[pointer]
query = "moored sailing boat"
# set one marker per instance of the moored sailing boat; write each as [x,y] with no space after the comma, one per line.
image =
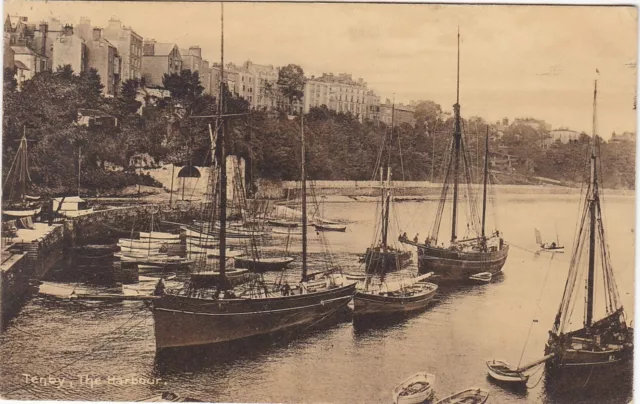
[601,348]
[16,204]
[471,255]
[381,257]
[403,296]
[227,315]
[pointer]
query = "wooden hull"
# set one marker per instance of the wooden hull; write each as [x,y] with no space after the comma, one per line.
[330,227]
[367,304]
[263,264]
[451,266]
[572,359]
[183,321]
[20,213]
[401,397]
[469,396]
[159,236]
[501,372]
[379,262]
[282,223]
[553,250]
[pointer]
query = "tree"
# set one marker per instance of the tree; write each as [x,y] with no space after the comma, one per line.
[9,79]
[184,87]
[291,81]
[427,111]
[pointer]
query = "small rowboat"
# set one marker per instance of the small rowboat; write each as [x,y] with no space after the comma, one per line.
[156,235]
[135,252]
[167,276]
[17,213]
[473,395]
[282,223]
[482,277]
[287,231]
[213,252]
[416,389]
[558,249]
[355,277]
[143,244]
[263,264]
[503,372]
[330,227]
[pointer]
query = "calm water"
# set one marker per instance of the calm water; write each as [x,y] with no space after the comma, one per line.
[453,338]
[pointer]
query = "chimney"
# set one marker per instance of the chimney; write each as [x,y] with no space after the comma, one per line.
[115,23]
[195,51]
[43,32]
[97,33]
[67,30]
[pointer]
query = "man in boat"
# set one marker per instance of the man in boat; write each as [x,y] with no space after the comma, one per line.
[415,239]
[159,291]
[427,241]
[553,244]
[286,289]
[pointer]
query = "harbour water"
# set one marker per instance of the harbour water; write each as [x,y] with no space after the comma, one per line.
[112,344]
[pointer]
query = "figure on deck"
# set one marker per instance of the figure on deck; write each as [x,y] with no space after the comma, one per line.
[286,289]
[159,291]
[415,239]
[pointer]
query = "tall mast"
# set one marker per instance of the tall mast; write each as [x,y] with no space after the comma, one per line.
[223,161]
[303,172]
[23,174]
[457,140]
[385,188]
[486,174]
[593,202]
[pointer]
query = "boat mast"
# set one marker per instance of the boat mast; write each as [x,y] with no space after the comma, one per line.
[223,162]
[386,195]
[303,171]
[593,202]
[457,139]
[24,171]
[486,173]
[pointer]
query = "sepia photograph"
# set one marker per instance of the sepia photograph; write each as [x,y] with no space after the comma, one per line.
[299,202]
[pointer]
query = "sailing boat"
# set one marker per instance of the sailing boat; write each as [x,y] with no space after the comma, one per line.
[471,255]
[381,257]
[603,347]
[389,297]
[198,318]
[553,247]
[16,203]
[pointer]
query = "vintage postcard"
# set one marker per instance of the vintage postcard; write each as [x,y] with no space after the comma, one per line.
[318,202]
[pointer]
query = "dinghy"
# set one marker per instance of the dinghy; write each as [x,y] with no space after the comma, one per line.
[282,223]
[156,235]
[473,395]
[287,231]
[416,389]
[503,372]
[263,264]
[330,227]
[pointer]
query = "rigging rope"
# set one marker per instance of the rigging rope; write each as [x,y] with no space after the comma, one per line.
[536,310]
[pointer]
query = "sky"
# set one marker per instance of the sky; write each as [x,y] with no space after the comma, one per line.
[515,61]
